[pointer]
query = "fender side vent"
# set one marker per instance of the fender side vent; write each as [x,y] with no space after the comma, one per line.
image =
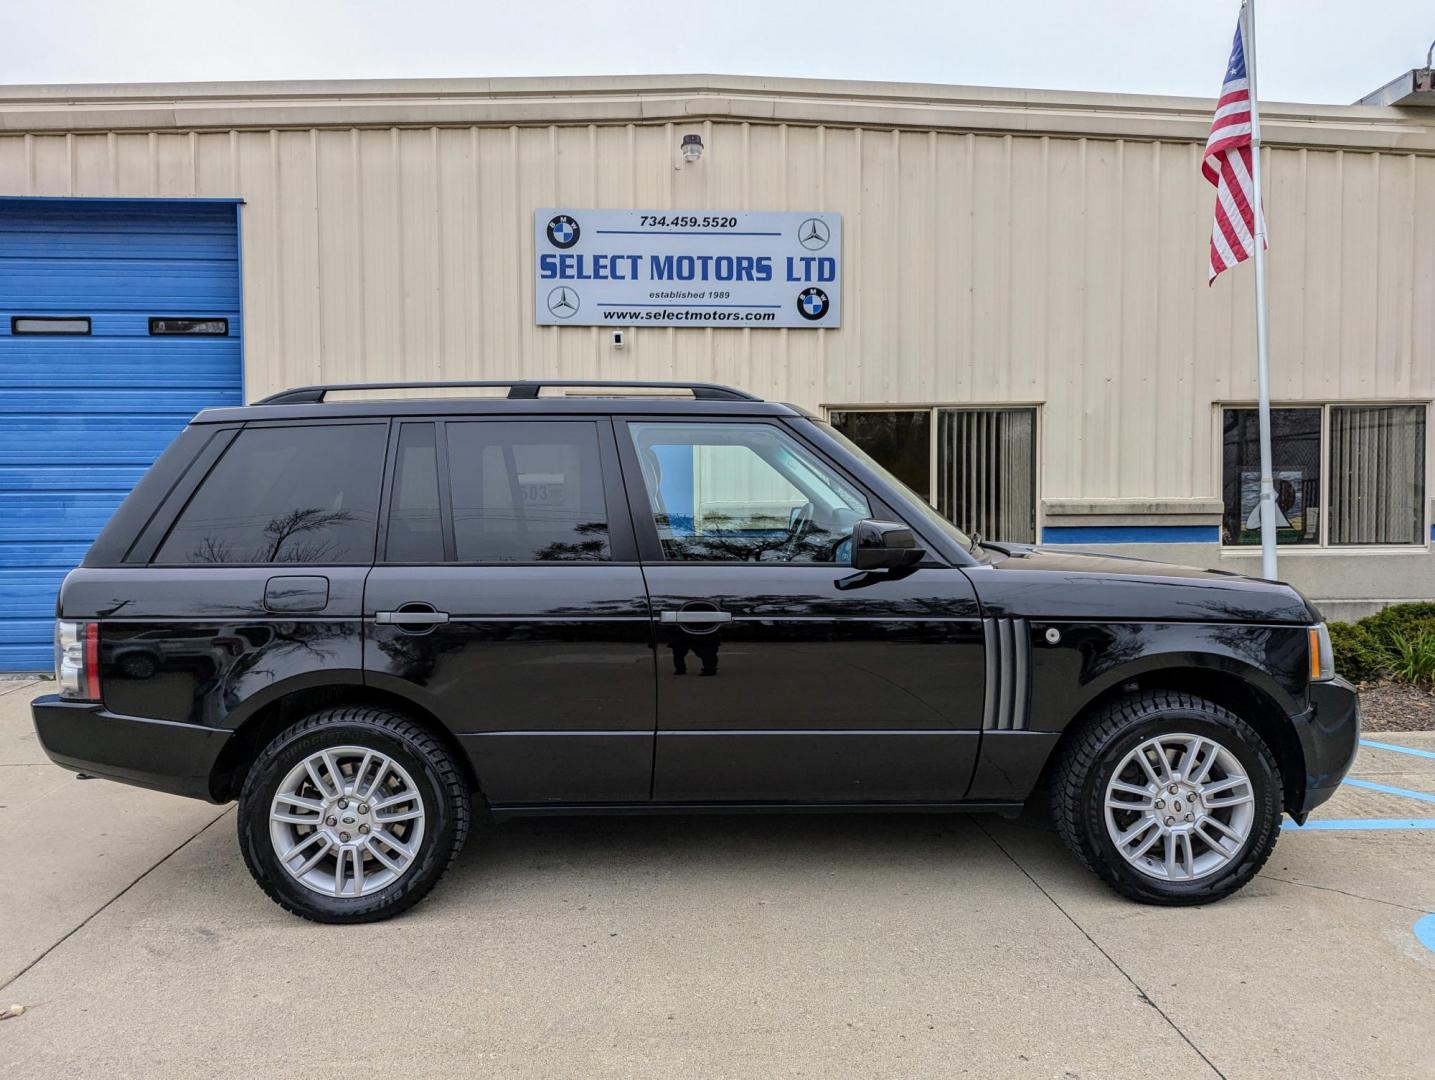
[1008,674]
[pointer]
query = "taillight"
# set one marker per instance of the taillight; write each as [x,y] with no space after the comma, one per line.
[92,661]
[77,659]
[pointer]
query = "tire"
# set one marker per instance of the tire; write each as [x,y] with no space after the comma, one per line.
[422,781]
[1119,735]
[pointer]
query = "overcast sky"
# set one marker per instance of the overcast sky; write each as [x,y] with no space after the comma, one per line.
[1310,50]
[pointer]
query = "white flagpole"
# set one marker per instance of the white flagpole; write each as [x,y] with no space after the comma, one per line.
[1263,373]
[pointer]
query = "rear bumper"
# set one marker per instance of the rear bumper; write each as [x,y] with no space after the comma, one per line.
[1330,735]
[158,754]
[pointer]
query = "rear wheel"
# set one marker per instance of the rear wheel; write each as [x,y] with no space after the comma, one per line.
[352,815]
[1169,798]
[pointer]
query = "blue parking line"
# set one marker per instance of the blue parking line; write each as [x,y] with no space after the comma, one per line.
[1423,796]
[1399,749]
[1369,824]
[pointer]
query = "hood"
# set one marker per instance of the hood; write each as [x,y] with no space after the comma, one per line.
[1059,583]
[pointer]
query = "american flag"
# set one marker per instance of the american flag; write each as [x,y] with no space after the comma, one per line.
[1227,164]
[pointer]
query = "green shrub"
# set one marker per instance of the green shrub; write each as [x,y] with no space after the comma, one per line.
[1414,657]
[1358,655]
[1397,643]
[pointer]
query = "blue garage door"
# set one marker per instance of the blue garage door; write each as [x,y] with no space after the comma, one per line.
[119,321]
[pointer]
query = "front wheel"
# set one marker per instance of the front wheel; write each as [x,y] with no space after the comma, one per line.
[1169,798]
[352,815]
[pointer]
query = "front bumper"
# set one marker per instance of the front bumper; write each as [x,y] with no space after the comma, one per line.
[1329,736]
[158,754]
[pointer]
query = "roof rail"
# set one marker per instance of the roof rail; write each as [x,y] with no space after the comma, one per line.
[517,389]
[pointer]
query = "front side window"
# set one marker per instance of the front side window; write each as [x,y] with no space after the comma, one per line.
[723,492]
[527,491]
[286,495]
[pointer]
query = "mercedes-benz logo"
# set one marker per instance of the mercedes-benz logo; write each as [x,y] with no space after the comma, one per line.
[563,302]
[813,234]
[563,231]
[812,303]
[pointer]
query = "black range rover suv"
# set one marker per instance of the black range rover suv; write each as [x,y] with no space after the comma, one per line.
[370,620]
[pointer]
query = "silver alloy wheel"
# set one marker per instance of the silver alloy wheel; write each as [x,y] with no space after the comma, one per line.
[1179,807]
[347,821]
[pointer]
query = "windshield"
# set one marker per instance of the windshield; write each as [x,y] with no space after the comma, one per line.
[918,501]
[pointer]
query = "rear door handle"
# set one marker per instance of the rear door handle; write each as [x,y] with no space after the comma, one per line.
[696,618]
[411,618]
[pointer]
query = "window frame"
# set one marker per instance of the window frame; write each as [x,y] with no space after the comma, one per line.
[934,439]
[1323,546]
[235,434]
[650,547]
[88,320]
[622,546]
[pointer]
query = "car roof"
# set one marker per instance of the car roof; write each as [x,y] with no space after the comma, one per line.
[463,406]
[509,397]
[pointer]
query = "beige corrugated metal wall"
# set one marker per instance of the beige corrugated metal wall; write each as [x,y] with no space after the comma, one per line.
[983,263]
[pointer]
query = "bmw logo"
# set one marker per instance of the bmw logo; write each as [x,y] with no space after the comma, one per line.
[563,231]
[812,303]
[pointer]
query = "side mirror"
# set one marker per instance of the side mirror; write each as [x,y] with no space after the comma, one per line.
[884,545]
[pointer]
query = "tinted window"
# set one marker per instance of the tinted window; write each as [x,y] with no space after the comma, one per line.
[159,326]
[286,495]
[744,493]
[527,491]
[900,439]
[1295,461]
[415,528]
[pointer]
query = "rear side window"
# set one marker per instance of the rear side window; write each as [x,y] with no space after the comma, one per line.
[527,491]
[286,495]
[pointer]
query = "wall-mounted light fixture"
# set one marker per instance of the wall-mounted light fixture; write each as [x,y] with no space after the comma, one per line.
[692,148]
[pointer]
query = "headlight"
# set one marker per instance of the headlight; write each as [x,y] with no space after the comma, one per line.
[1322,656]
[77,659]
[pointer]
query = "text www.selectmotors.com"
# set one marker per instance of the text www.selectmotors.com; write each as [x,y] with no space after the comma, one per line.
[690,316]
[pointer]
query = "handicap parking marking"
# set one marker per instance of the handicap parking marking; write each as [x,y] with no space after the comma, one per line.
[1398,749]
[1425,931]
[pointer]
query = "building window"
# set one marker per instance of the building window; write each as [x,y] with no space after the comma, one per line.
[49,324]
[898,438]
[1343,474]
[161,326]
[976,466]
[1377,474]
[1295,471]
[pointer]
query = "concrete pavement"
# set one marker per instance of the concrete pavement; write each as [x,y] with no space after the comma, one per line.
[707,947]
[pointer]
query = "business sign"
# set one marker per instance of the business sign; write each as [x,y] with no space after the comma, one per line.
[687,268]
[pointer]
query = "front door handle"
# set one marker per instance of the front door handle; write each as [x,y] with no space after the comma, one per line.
[696,618]
[411,618]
